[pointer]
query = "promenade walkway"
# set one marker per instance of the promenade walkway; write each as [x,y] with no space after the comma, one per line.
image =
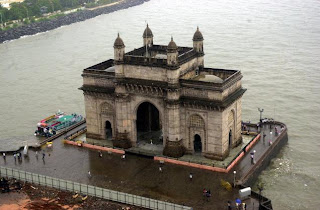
[259,149]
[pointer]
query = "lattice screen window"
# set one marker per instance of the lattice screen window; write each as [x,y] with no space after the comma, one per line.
[106,108]
[196,121]
[230,118]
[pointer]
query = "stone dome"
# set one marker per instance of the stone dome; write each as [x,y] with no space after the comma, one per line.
[209,78]
[118,43]
[147,32]
[197,35]
[172,45]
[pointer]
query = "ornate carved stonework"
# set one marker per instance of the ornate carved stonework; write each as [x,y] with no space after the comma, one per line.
[194,115]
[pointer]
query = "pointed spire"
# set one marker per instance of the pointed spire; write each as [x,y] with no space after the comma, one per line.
[172,45]
[147,32]
[197,35]
[118,43]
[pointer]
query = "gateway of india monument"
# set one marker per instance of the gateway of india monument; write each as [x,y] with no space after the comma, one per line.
[168,93]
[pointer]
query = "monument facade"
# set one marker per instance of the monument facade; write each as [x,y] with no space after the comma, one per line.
[166,90]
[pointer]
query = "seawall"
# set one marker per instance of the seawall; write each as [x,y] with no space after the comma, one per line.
[38,27]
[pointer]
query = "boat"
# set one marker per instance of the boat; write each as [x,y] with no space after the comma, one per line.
[50,125]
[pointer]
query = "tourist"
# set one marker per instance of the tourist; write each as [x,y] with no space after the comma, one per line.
[229,205]
[160,169]
[4,155]
[270,142]
[37,155]
[190,176]
[244,206]
[100,154]
[208,195]
[263,137]
[151,141]
[43,155]
[204,192]
[252,158]
[89,174]
[15,156]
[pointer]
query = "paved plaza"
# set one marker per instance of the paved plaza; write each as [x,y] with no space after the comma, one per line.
[138,175]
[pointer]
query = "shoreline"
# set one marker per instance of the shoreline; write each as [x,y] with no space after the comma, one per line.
[44,26]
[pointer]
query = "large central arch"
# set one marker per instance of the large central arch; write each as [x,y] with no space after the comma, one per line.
[148,124]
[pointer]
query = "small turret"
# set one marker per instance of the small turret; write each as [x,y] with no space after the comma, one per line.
[119,49]
[147,37]
[198,41]
[172,53]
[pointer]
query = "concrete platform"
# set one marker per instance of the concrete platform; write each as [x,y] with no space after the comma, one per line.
[141,176]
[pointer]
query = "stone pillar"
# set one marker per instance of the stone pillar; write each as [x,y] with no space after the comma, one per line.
[123,120]
[173,144]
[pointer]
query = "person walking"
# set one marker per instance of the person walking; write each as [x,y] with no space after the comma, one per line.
[204,192]
[208,195]
[229,205]
[252,157]
[190,176]
[43,155]
[89,174]
[15,157]
[160,169]
[4,155]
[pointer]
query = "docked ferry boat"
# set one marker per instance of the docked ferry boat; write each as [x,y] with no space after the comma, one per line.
[50,125]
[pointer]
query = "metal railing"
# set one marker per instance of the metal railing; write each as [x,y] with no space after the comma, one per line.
[89,190]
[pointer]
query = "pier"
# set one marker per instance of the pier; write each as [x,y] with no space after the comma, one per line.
[141,176]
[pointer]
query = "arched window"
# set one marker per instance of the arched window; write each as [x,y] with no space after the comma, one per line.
[106,108]
[196,121]
[231,118]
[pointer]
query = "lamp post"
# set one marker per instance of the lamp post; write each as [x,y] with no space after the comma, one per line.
[65,127]
[260,188]
[1,19]
[234,178]
[260,110]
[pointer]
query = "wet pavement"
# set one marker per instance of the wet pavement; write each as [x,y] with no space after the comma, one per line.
[138,175]
[245,165]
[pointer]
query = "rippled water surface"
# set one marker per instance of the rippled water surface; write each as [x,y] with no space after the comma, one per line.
[276,45]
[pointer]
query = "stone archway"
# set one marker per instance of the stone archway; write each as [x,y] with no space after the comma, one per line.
[230,138]
[106,120]
[197,134]
[108,130]
[148,124]
[231,126]
[197,144]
